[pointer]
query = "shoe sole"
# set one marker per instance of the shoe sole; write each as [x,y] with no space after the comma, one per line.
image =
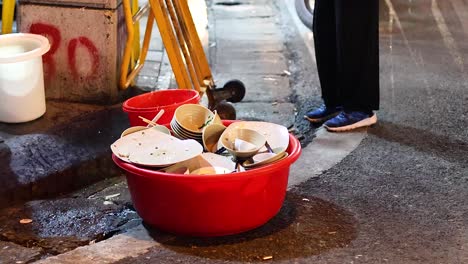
[321,120]
[363,123]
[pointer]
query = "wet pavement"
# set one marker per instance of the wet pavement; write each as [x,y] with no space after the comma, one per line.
[42,228]
[406,184]
[424,66]
[60,225]
[297,231]
[399,197]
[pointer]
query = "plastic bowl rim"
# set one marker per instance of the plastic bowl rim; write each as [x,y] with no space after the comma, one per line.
[125,105]
[149,173]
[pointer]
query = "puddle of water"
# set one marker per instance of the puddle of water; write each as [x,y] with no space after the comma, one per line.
[305,226]
[58,226]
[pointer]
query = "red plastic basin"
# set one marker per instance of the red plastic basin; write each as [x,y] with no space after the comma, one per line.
[210,205]
[149,104]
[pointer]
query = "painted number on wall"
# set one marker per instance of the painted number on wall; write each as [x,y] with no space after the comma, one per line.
[55,39]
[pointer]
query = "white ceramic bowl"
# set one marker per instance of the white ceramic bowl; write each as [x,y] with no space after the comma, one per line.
[193,117]
[230,140]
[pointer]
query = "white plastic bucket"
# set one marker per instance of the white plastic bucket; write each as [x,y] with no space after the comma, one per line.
[22,95]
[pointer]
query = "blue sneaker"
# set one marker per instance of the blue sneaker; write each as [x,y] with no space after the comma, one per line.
[350,120]
[323,113]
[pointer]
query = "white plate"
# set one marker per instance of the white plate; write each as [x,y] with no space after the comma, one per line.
[153,148]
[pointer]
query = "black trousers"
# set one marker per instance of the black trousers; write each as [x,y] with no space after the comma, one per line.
[346,37]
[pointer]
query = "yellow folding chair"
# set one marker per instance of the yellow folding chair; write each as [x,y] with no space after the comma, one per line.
[8,12]
[185,52]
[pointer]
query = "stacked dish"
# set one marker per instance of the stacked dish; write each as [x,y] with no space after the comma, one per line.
[190,120]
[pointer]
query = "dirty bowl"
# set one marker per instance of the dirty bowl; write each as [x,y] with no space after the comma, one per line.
[211,170]
[149,104]
[263,159]
[242,142]
[134,129]
[276,135]
[192,118]
[211,135]
[210,205]
[201,161]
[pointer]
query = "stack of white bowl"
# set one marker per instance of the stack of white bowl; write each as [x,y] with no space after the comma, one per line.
[189,121]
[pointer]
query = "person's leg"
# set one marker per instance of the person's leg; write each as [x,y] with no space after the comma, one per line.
[324,29]
[358,53]
[358,63]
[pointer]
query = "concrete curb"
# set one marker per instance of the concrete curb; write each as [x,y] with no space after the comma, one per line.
[64,150]
[326,150]
[134,242]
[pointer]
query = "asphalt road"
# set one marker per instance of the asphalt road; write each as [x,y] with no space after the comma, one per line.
[406,184]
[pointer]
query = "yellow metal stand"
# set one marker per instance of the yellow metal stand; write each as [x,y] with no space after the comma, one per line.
[134,58]
[136,40]
[184,49]
[8,12]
